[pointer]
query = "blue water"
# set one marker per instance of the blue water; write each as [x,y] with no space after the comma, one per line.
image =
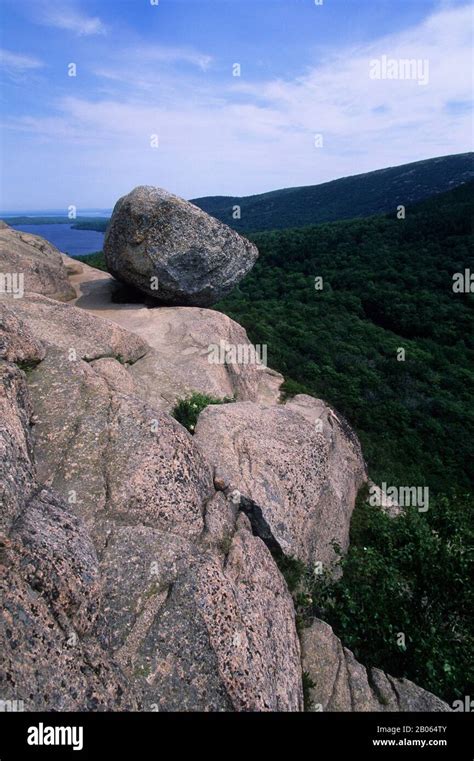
[69,241]
[54,213]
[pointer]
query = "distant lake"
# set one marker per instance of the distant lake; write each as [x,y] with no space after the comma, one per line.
[69,241]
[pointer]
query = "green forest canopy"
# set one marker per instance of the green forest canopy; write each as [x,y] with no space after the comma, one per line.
[387,284]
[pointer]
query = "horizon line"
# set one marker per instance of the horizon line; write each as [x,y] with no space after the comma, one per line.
[22,212]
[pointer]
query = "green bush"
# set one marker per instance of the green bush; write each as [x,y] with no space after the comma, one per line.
[187,411]
[308,685]
[292,570]
[412,575]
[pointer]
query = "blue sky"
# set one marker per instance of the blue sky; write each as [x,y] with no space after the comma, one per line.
[166,70]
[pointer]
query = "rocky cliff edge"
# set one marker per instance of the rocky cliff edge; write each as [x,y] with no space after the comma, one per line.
[137,561]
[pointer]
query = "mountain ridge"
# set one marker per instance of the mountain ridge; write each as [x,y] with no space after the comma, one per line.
[304,205]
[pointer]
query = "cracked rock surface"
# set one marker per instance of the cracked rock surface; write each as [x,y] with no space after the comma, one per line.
[341,683]
[298,465]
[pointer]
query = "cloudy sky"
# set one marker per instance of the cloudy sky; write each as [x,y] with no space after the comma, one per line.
[155,100]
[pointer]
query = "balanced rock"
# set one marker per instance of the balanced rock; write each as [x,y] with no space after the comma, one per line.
[173,251]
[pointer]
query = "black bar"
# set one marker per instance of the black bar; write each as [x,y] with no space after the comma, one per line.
[308,735]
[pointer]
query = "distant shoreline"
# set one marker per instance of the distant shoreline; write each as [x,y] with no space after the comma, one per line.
[70,238]
[98,224]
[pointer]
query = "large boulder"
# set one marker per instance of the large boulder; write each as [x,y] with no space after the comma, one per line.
[297,467]
[340,683]
[173,251]
[37,261]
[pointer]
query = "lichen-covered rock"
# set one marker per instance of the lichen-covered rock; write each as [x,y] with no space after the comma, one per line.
[117,457]
[17,343]
[115,374]
[173,251]
[49,583]
[190,631]
[219,519]
[58,560]
[257,647]
[200,631]
[340,683]
[38,261]
[298,474]
[45,662]
[151,620]
[16,469]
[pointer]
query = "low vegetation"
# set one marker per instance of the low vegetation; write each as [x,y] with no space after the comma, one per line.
[405,600]
[187,410]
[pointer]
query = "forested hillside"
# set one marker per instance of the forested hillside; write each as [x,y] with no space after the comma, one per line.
[357,196]
[404,601]
[387,285]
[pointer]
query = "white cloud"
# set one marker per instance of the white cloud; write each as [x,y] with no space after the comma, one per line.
[160,53]
[340,99]
[68,17]
[152,67]
[17,62]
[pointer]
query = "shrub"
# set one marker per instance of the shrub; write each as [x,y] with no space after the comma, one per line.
[292,570]
[187,410]
[410,575]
